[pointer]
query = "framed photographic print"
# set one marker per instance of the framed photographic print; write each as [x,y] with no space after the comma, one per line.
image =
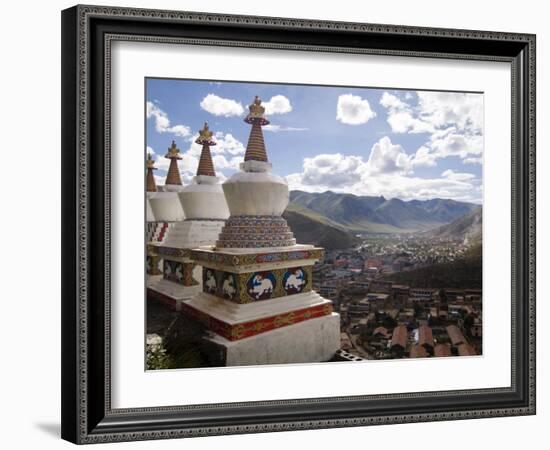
[268,222]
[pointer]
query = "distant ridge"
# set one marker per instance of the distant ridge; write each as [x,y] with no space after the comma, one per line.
[467,227]
[359,214]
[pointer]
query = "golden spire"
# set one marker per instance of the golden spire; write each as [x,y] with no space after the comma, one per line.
[151,184]
[255,149]
[206,167]
[150,162]
[173,151]
[173,176]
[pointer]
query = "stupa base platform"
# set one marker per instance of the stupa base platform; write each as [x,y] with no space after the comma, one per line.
[313,340]
[235,321]
[169,293]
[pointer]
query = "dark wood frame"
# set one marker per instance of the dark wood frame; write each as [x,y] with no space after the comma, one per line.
[87,32]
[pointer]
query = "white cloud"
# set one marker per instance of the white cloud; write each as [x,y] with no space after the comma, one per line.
[391,101]
[387,172]
[278,104]
[386,157]
[453,119]
[353,110]
[227,143]
[401,116]
[443,109]
[277,128]
[219,106]
[458,176]
[162,122]
[331,170]
[424,157]
[434,111]
[473,160]
[221,162]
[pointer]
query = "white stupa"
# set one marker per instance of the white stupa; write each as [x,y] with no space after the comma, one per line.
[257,298]
[205,210]
[165,205]
[163,208]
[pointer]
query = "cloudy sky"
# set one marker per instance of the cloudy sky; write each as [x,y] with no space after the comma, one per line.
[395,143]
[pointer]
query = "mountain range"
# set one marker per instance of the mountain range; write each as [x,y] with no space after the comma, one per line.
[360,214]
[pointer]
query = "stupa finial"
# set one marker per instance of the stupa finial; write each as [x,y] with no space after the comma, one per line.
[173,177]
[151,183]
[150,162]
[255,150]
[206,166]
[173,151]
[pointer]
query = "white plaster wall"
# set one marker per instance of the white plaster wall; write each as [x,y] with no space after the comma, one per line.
[311,340]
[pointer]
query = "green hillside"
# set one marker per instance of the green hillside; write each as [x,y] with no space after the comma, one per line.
[311,230]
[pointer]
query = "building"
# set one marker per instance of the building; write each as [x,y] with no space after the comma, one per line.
[472,295]
[425,338]
[360,308]
[466,350]
[426,294]
[345,342]
[400,292]
[329,289]
[381,286]
[442,350]
[399,340]
[417,351]
[376,300]
[455,335]
[381,332]
[452,294]
[476,330]
[363,284]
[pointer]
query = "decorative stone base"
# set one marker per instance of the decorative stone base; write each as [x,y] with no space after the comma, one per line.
[315,340]
[169,293]
[255,232]
[236,321]
[154,265]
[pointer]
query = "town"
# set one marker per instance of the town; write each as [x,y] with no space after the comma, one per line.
[384,319]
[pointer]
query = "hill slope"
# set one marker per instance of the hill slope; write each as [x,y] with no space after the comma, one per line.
[468,227]
[308,230]
[377,214]
[461,274]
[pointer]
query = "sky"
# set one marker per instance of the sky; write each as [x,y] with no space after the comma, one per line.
[365,141]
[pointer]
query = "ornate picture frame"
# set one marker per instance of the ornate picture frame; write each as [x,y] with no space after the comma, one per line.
[87,35]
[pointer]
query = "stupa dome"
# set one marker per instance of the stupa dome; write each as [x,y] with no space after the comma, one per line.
[256,194]
[165,206]
[204,198]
